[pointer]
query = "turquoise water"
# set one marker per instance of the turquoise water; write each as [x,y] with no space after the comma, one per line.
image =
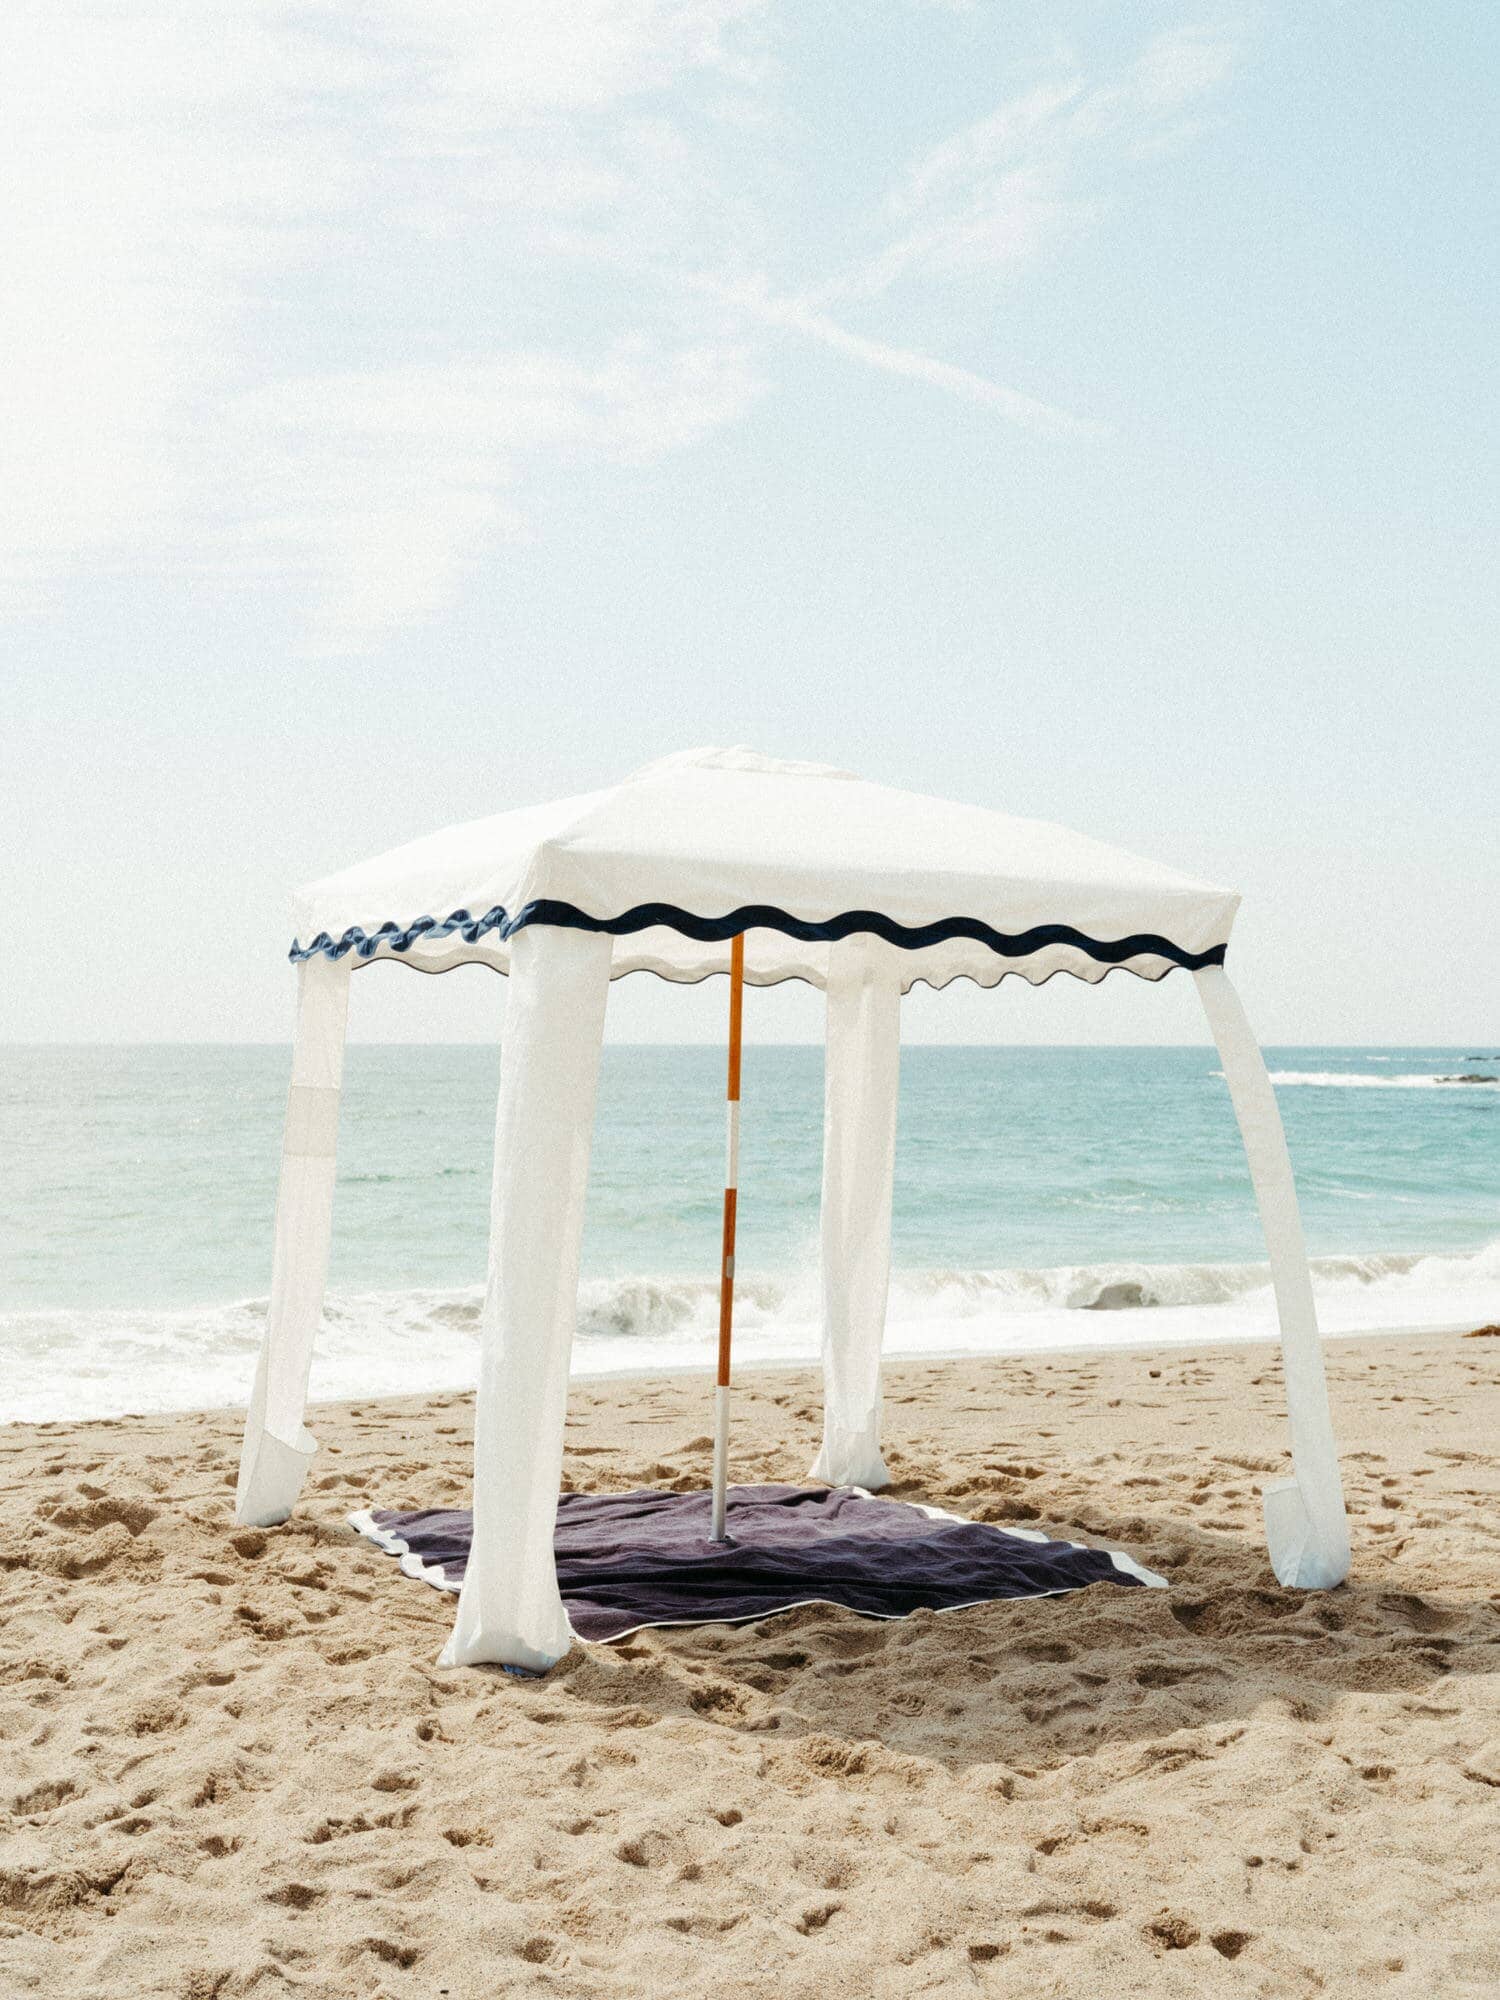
[139,1185]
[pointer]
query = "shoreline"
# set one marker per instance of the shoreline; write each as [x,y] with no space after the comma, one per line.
[896,1357]
[809,1367]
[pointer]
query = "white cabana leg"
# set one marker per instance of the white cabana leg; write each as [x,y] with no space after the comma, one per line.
[278,1446]
[861,1074]
[1307,1531]
[510,1609]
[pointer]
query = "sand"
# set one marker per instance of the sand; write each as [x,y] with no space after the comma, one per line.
[229,1764]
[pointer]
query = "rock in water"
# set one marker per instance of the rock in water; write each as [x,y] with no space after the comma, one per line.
[1117,1297]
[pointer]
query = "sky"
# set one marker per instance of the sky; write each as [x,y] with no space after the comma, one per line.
[423,408]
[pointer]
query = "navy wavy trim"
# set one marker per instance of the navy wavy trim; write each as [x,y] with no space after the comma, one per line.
[756,916]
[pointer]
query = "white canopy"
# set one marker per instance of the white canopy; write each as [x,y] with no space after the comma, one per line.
[676,860]
[861,890]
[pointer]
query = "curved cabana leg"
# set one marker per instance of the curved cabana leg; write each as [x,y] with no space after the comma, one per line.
[278,1446]
[1307,1531]
[510,1609]
[861,1073]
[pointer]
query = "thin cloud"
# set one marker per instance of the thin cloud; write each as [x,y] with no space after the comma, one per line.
[149,188]
[487,67]
[1017,408]
[384,488]
[283,306]
[1045,166]
[179,175]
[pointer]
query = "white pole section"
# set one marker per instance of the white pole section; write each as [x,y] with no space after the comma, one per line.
[510,1609]
[278,1446]
[1307,1531]
[726,1266]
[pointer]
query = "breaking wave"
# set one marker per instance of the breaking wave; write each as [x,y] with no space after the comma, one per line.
[1350,1080]
[68,1365]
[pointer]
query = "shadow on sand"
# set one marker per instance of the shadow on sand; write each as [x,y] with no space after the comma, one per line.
[1033,1684]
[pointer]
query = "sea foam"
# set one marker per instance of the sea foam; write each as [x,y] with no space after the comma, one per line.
[1320,1079]
[69,1365]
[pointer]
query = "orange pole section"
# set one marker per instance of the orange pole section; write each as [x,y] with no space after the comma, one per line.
[726,1290]
[736,1013]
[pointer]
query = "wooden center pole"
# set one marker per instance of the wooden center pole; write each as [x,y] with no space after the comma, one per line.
[726,1267]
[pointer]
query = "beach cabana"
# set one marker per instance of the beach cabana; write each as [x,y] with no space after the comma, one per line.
[857,888]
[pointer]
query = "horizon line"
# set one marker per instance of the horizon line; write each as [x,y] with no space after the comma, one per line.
[705,1043]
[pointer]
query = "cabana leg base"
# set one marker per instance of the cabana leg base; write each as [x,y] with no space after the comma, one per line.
[1307,1530]
[510,1610]
[278,1446]
[862,1070]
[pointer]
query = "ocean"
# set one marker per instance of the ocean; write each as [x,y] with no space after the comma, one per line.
[1045,1198]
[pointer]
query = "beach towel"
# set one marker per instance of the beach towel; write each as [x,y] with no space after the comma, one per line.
[629,1560]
